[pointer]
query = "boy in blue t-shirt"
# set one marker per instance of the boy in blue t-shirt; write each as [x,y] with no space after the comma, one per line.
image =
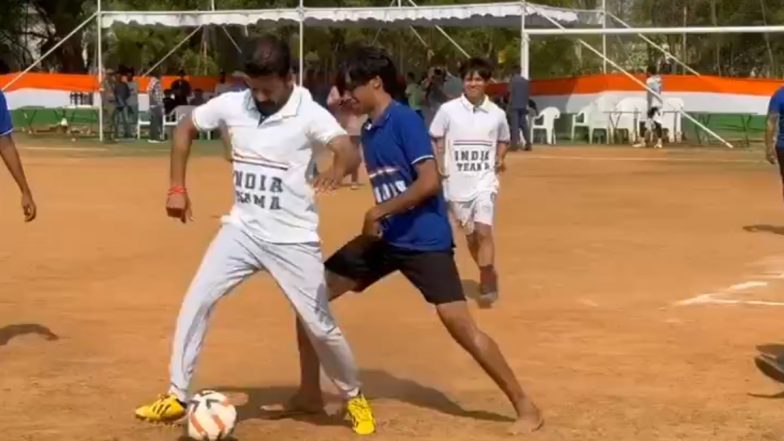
[12,161]
[774,135]
[407,230]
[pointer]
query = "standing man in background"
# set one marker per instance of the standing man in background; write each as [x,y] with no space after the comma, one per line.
[653,126]
[109,106]
[121,96]
[181,89]
[12,161]
[414,94]
[519,97]
[155,92]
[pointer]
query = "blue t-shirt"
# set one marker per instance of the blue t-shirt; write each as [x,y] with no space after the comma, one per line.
[777,107]
[6,127]
[393,145]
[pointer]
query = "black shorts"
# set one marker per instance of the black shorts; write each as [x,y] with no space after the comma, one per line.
[366,261]
[780,160]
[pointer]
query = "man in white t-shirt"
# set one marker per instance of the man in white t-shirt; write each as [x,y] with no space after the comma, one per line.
[273,127]
[653,125]
[471,137]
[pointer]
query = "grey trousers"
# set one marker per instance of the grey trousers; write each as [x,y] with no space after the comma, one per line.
[518,121]
[156,122]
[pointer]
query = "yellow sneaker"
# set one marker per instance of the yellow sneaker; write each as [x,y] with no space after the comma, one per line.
[166,409]
[361,415]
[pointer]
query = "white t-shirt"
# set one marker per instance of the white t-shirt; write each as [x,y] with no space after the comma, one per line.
[471,136]
[654,82]
[272,162]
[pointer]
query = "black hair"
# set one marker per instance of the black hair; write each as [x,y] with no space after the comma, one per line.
[366,63]
[268,55]
[411,75]
[181,73]
[476,65]
[651,69]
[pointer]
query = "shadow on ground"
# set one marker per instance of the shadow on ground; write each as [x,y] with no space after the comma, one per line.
[376,384]
[9,332]
[772,229]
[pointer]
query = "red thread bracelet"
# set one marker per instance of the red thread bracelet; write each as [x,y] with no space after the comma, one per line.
[177,189]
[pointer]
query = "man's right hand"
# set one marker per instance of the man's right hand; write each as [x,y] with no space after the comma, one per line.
[28,207]
[178,206]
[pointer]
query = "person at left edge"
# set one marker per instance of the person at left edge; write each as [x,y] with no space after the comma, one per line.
[12,162]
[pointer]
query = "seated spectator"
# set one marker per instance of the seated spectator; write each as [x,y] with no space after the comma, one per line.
[168,101]
[181,89]
[223,85]
[198,98]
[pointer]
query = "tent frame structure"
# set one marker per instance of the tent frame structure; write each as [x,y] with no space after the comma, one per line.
[525,39]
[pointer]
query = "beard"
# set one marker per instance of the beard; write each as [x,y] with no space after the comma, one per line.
[267,108]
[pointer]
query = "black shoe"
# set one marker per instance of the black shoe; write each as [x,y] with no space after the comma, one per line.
[771,366]
[528,147]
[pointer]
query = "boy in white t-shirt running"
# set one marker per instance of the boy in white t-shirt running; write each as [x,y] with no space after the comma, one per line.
[471,136]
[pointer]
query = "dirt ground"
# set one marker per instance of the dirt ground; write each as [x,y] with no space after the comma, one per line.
[596,247]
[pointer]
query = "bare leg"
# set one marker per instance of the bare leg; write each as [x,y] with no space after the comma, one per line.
[488,278]
[308,398]
[461,326]
[473,246]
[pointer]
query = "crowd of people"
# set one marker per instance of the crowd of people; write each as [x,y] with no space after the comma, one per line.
[424,93]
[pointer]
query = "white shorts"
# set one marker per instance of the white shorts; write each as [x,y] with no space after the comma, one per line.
[481,210]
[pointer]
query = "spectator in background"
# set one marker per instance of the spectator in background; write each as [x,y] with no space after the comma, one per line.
[223,85]
[519,98]
[11,158]
[133,97]
[316,82]
[415,94]
[434,93]
[155,92]
[453,86]
[198,98]
[343,107]
[121,95]
[181,89]
[168,101]
[109,104]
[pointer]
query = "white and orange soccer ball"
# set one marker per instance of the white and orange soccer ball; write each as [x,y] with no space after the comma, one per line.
[211,416]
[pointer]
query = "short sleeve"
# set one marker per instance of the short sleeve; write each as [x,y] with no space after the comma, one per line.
[413,136]
[504,134]
[211,114]
[323,127]
[440,123]
[6,126]
[776,106]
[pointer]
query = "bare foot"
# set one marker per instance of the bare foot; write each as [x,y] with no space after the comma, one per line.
[530,420]
[296,406]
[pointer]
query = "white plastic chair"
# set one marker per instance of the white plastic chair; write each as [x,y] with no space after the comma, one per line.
[142,120]
[580,120]
[546,121]
[173,118]
[626,117]
[599,117]
[672,119]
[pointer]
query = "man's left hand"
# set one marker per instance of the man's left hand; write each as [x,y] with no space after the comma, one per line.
[372,224]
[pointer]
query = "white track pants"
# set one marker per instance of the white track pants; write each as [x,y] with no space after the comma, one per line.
[299,271]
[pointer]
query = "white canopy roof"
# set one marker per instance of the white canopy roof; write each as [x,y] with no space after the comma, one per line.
[473,15]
